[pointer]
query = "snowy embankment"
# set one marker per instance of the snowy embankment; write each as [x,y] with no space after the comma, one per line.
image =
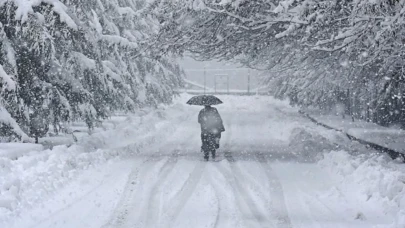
[30,175]
[372,178]
[390,138]
[374,181]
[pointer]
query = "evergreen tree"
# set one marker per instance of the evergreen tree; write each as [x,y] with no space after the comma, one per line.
[65,60]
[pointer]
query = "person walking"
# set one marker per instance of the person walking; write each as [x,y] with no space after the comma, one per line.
[211,129]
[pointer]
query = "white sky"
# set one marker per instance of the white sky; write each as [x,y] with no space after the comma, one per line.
[238,76]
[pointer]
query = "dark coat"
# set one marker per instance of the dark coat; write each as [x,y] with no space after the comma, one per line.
[210,121]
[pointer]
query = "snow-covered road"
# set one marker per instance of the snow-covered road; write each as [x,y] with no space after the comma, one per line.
[267,174]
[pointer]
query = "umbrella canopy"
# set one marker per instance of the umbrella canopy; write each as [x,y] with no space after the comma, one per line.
[204,100]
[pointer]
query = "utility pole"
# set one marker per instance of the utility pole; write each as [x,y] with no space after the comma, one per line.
[205,79]
[227,84]
[221,76]
[215,83]
[185,87]
[248,89]
[257,85]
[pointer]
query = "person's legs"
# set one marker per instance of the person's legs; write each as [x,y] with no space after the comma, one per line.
[217,138]
[205,146]
[212,144]
[206,155]
[208,144]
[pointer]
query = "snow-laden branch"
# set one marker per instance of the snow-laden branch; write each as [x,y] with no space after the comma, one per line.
[7,80]
[5,118]
[115,39]
[25,8]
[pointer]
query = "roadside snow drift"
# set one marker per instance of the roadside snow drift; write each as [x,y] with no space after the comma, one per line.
[29,174]
[274,168]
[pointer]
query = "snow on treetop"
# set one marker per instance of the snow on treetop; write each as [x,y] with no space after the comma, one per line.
[24,8]
[84,61]
[126,11]
[110,69]
[114,39]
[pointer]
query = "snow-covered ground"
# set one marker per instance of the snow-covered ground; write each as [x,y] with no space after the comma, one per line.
[79,130]
[275,169]
[391,138]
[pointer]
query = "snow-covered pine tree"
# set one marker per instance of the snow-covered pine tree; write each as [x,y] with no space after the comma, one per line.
[66,60]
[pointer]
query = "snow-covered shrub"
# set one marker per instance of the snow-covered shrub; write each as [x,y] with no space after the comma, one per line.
[370,178]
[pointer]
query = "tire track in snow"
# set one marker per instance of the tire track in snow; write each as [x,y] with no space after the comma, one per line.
[130,198]
[241,194]
[153,211]
[225,203]
[227,147]
[185,193]
[281,217]
[126,203]
[229,125]
[124,211]
[278,205]
[218,218]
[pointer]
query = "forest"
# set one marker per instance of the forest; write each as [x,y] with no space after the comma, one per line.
[319,53]
[67,60]
[62,61]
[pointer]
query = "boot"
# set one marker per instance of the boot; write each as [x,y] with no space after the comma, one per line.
[206,155]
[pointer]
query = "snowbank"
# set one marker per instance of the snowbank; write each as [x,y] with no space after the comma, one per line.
[373,180]
[14,150]
[37,175]
[390,138]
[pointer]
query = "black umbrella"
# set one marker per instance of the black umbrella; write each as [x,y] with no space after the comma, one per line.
[204,100]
